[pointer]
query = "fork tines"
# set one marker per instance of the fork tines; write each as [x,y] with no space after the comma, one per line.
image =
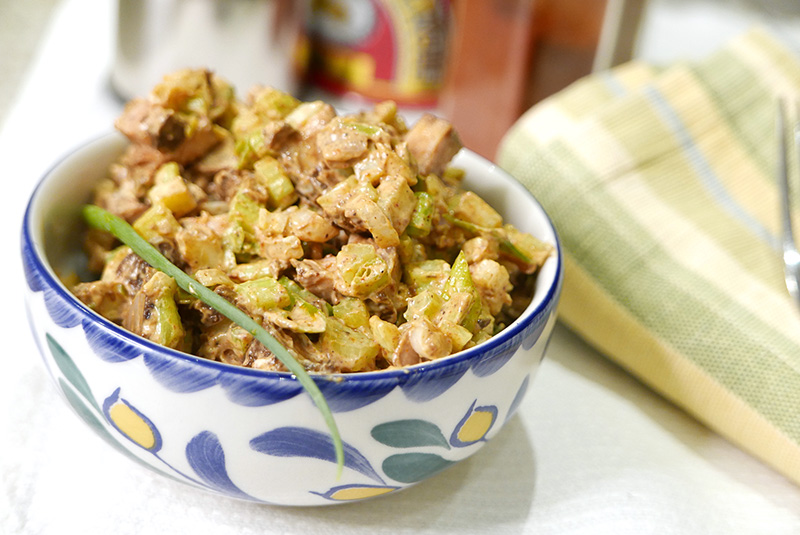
[791,256]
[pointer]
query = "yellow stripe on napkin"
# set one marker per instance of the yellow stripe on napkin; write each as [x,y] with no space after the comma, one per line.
[661,185]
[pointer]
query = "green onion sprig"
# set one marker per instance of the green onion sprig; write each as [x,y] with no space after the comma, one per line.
[103,220]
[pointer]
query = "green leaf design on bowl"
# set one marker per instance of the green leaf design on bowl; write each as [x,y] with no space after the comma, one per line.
[413,467]
[71,371]
[409,434]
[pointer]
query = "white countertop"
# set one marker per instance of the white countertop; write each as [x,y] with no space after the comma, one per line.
[591,450]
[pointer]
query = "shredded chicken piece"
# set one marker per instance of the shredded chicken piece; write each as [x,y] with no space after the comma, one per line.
[433,142]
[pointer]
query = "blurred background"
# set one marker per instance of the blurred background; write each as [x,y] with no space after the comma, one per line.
[22,25]
[480,62]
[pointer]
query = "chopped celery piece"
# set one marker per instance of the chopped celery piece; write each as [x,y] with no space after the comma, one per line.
[353,312]
[298,292]
[426,303]
[273,104]
[269,172]
[239,338]
[453,175]
[526,247]
[252,270]
[386,334]
[352,349]
[302,113]
[303,317]
[361,269]
[433,186]
[469,207]
[161,290]
[212,277]
[345,188]
[196,105]
[422,217]
[250,148]
[262,294]
[167,172]
[422,275]
[242,220]
[458,335]
[498,233]
[157,224]
[171,190]
[457,308]
[410,250]
[368,130]
[460,281]
[200,246]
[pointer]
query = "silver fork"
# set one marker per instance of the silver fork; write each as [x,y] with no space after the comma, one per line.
[791,256]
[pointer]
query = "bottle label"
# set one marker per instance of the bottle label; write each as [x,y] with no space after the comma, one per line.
[380,49]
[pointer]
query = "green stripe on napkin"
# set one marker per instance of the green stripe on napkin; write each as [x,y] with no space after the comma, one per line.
[661,186]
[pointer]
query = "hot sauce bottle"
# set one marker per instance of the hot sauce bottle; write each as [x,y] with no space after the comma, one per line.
[380,49]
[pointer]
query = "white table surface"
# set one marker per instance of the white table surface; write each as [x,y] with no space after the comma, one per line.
[590,451]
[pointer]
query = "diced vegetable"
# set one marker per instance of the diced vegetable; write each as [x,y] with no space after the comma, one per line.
[242,220]
[421,275]
[353,312]
[349,348]
[459,336]
[422,218]
[255,269]
[467,206]
[363,272]
[302,317]
[268,171]
[301,114]
[157,224]
[427,304]
[161,323]
[172,191]
[298,292]
[201,246]
[212,277]
[271,104]
[386,334]
[533,251]
[262,294]
[460,281]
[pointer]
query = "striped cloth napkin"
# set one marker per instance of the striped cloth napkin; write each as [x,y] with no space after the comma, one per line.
[661,184]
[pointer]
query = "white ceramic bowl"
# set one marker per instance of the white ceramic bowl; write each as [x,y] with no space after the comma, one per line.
[256,435]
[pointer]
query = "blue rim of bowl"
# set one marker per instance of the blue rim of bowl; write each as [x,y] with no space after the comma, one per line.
[516,327]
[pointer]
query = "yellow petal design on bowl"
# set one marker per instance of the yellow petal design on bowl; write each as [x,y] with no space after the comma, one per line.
[359,492]
[476,426]
[132,425]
